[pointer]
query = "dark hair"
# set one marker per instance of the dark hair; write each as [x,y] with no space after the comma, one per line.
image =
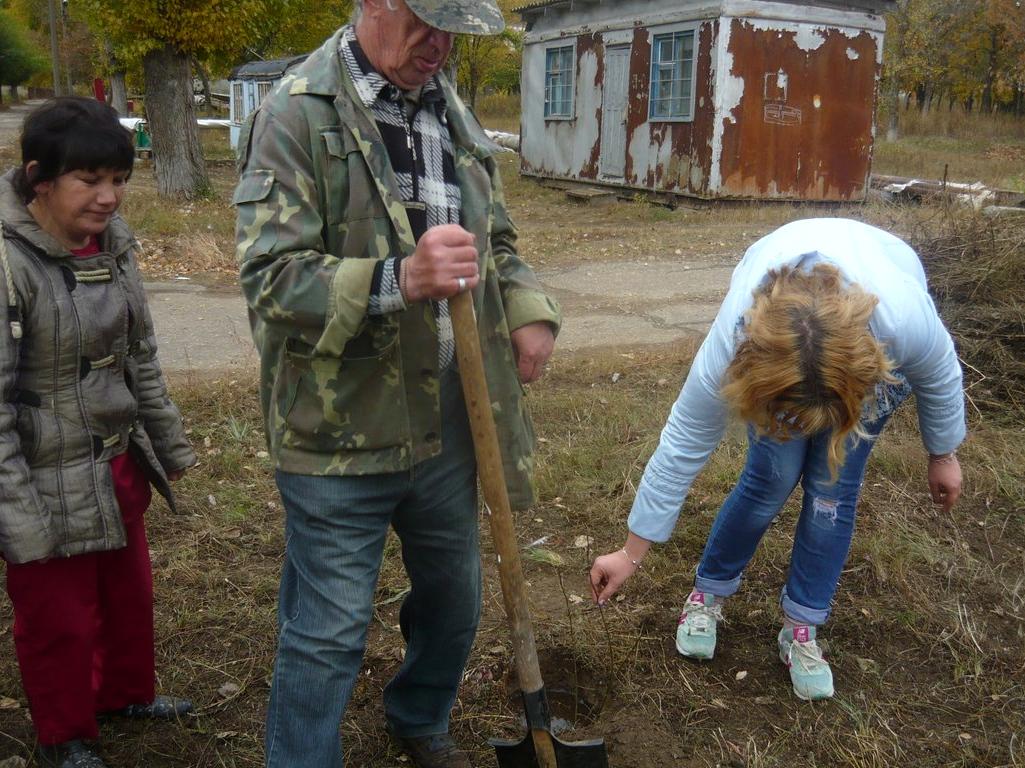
[71,133]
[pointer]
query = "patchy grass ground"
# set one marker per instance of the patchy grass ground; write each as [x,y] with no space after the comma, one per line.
[928,635]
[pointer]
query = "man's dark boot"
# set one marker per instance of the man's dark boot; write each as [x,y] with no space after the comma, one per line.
[437,751]
[70,754]
[161,708]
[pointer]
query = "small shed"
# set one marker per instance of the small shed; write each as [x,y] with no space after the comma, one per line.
[715,99]
[249,83]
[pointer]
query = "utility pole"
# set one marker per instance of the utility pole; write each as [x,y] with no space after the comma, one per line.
[68,89]
[54,49]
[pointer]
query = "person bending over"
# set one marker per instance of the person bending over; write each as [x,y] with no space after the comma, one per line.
[827,327]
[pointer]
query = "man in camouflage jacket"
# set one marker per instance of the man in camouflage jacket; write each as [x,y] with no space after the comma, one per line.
[369,195]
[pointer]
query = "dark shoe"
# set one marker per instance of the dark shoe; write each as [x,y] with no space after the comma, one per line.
[161,708]
[70,754]
[433,751]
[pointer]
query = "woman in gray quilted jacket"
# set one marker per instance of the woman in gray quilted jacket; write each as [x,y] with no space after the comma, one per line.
[86,429]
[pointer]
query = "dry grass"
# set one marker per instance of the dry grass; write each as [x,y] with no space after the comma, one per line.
[928,635]
[967,147]
[197,237]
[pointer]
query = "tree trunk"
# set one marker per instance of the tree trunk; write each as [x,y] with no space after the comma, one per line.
[473,88]
[892,107]
[991,74]
[171,114]
[119,93]
[55,49]
[204,77]
[452,68]
[69,87]
[14,94]
[118,89]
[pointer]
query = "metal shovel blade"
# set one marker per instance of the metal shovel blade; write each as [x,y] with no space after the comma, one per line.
[568,754]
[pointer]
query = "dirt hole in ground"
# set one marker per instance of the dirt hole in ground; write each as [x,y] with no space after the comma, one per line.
[576,694]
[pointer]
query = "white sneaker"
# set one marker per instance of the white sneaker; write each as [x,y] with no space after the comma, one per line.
[696,633]
[809,671]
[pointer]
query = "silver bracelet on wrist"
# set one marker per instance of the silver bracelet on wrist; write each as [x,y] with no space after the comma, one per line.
[636,563]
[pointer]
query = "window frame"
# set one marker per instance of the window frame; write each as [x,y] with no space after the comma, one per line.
[659,35]
[238,95]
[561,48]
[263,87]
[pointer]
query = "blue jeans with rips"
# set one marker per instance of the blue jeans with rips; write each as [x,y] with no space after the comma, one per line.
[825,526]
[335,537]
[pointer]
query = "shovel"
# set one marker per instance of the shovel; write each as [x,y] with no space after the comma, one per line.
[540,748]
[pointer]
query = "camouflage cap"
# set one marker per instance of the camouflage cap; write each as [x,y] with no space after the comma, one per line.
[470,17]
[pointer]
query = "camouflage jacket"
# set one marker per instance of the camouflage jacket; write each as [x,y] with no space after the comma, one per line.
[79,387]
[344,392]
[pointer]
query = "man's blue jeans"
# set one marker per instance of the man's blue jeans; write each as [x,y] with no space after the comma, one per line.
[335,536]
[824,529]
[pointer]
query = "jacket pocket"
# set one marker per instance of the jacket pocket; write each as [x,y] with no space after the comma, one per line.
[253,187]
[354,402]
[42,440]
[28,431]
[352,193]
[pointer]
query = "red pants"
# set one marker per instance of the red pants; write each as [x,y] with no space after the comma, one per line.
[83,631]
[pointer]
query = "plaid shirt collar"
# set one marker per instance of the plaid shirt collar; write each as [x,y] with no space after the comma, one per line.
[371,85]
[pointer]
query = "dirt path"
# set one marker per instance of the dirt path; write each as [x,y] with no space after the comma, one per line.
[622,303]
[11,119]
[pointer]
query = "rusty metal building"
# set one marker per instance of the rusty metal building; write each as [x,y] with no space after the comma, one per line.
[714,99]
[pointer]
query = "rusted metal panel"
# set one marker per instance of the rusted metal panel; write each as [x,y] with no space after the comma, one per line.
[670,156]
[562,148]
[590,48]
[803,127]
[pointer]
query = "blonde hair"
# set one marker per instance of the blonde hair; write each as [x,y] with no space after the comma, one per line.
[808,360]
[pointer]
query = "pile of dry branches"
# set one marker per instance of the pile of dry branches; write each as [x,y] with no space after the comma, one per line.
[976,267]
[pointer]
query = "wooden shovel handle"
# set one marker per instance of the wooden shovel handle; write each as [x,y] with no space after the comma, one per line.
[496,496]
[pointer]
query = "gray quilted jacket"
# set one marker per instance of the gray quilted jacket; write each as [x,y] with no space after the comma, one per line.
[81,385]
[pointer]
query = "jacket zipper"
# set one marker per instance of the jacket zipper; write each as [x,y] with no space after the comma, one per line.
[411,143]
